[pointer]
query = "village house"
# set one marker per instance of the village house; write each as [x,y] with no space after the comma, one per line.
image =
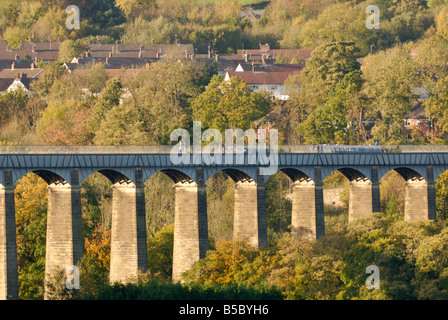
[14,78]
[268,78]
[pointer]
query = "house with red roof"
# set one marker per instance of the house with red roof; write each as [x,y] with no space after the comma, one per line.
[268,78]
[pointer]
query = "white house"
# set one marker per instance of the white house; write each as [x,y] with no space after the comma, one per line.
[270,79]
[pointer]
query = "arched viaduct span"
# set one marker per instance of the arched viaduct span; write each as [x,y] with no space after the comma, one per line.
[64,169]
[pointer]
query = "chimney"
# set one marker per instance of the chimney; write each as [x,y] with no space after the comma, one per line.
[245,57]
[152,41]
[8,48]
[118,48]
[262,58]
[34,48]
[17,57]
[88,54]
[12,65]
[177,41]
[110,54]
[32,65]
[217,57]
[107,60]
[141,50]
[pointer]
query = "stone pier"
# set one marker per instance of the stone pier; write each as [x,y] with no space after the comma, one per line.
[64,242]
[306,211]
[9,288]
[190,227]
[360,202]
[250,213]
[307,216]
[129,254]
[419,201]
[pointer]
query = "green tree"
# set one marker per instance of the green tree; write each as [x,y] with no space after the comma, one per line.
[229,104]
[70,49]
[52,72]
[165,104]
[328,65]
[64,123]
[160,253]
[31,220]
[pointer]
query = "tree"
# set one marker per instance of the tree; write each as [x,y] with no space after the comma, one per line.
[340,22]
[329,94]
[52,72]
[109,97]
[160,30]
[97,78]
[122,125]
[390,77]
[31,220]
[64,123]
[160,253]
[70,49]
[165,104]
[437,102]
[229,105]
[328,65]
[132,8]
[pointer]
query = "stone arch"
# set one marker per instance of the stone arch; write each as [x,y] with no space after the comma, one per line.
[249,208]
[49,176]
[113,175]
[296,175]
[178,176]
[409,174]
[352,174]
[236,175]
[307,214]
[363,193]
[419,197]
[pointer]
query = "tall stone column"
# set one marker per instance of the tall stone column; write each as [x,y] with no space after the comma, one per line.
[64,243]
[190,225]
[307,217]
[9,288]
[416,201]
[250,213]
[129,254]
[359,200]
[420,200]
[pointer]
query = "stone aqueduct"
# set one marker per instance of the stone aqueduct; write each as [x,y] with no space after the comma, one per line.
[64,170]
